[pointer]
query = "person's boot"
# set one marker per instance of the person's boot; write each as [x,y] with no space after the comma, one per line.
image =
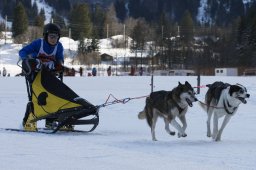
[30,126]
[50,123]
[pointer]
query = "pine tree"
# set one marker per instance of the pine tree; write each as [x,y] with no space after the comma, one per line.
[34,10]
[120,10]
[57,19]
[31,10]
[42,13]
[247,38]
[95,42]
[98,19]
[20,21]
[138,36]
[2,27]
[80,22]
[39,18]
[39,21]
[236,8]
[7,8]
[61,6]
[135,8]
[186,27]
[222,15]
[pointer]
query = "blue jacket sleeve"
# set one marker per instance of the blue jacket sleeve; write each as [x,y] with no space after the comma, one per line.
[32,49]
[60,53]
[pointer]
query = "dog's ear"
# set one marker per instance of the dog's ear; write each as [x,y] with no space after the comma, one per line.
[229,91]
[187,84]
[180,84]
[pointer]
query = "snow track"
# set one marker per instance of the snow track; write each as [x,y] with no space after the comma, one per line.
[122,141]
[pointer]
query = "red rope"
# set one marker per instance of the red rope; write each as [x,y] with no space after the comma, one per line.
[125,100]
[203,86]
[116,100]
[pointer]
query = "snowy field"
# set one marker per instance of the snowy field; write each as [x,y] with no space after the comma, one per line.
[122,141]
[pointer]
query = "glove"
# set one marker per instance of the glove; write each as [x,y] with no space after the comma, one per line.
[59,67]
[38,65]
[30,65]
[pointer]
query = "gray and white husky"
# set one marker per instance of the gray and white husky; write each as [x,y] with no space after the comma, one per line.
[222,99]
[169,105]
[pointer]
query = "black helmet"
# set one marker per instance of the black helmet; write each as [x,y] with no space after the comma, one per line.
[51,28]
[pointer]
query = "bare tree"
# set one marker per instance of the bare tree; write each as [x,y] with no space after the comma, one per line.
[130,24]
[112,26]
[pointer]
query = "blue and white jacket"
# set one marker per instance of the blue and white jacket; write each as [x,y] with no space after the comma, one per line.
[40,48]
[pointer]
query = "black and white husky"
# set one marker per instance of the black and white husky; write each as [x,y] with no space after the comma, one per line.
[169,105]
[222,99]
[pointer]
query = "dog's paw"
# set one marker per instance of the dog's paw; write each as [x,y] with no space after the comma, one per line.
[217,139]
[182,135]
[154,139]
[172,133]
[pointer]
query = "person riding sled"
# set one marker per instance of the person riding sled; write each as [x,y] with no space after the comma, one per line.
[46,52]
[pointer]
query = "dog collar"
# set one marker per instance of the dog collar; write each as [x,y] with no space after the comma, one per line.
[179,108]
[226,107]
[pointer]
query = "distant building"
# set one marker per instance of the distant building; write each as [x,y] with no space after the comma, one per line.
[177,72]
[247,72]
[106,59]
[226,72]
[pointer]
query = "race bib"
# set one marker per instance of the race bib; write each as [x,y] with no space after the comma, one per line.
[49,64]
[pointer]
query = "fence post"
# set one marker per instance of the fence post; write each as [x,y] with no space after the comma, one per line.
[198,83]
[152,83]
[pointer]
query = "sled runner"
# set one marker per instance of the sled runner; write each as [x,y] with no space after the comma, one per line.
[42,130]
[50,98]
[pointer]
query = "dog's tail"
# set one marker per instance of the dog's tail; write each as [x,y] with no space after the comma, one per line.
[147,112]
[142,114]
[203,105]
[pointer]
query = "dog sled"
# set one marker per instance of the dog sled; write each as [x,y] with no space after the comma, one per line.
[50,98]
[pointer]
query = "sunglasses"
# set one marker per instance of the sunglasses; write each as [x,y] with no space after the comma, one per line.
[53,36]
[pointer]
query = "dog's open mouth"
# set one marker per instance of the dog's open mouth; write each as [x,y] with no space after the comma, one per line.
[242,100]
[189,102]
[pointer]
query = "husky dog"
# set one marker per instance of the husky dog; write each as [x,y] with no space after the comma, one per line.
[168,105]
[222,99]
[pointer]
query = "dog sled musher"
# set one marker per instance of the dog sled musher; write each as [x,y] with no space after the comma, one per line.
[50,98]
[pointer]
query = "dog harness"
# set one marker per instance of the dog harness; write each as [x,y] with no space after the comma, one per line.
[179,108]
[226,107]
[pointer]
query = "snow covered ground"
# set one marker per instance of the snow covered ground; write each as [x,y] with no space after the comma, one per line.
[122,141]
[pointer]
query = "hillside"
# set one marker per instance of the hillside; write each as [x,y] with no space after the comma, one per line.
[203,11]
[164,30]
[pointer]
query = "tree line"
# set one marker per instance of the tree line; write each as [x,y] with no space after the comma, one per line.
[177,43]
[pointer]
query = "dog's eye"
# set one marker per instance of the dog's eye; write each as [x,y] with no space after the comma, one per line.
[191,93]
[241,91]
